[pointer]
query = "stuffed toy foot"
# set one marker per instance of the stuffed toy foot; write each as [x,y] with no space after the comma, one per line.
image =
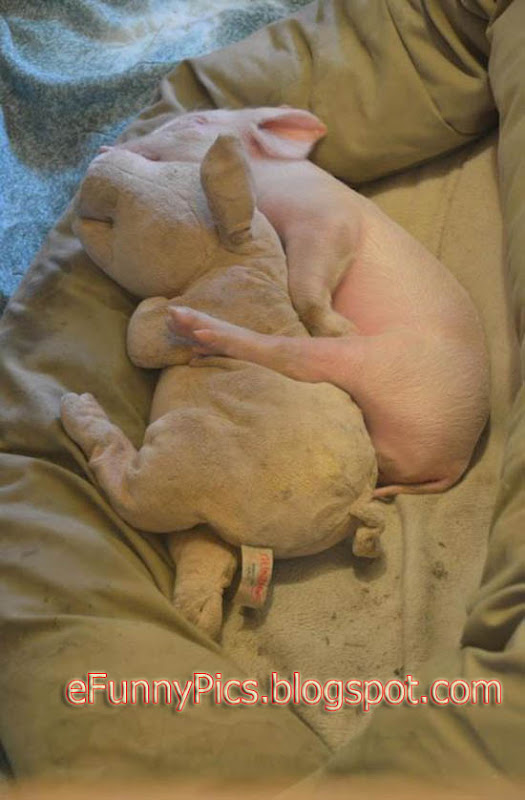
[205,568]
[86,422]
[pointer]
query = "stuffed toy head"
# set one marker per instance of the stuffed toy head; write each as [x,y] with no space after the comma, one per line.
[156,227]
[236,456]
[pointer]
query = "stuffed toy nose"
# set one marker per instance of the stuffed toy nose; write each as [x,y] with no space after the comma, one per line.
[97,237]
[97,198]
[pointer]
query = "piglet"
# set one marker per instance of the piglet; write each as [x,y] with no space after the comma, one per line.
[391,325]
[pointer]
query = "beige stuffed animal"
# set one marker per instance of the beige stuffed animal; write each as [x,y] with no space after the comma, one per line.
[235,454]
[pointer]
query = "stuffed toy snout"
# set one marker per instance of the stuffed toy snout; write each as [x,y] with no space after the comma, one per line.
[148,224]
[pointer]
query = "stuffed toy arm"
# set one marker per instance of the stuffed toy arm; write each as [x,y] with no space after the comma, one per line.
[150,343]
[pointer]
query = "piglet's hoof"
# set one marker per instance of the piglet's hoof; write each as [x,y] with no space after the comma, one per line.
[366,544]
[323,321]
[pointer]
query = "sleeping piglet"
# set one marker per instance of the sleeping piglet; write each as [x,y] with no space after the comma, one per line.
[391,325]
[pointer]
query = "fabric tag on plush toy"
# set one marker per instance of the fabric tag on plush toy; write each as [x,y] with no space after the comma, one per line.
[257,565]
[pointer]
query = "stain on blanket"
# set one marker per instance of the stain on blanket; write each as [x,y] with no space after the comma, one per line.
[439,571]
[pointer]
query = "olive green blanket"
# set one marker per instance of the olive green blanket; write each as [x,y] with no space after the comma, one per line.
[398,84]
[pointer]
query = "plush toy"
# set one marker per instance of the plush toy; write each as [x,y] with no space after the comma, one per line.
[235,455]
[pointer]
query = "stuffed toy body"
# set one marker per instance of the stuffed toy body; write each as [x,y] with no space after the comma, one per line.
[234,454]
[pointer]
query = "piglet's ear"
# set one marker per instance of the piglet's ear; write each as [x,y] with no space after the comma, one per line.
[227,182]
[289,133]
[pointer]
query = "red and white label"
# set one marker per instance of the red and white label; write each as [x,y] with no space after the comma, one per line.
[257,565]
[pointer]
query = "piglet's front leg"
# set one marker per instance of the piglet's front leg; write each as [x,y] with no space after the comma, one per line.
[317,260]
[336,360]
[150,343]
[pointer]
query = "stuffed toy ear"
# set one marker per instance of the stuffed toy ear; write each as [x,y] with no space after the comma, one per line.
[227,182]
[289,133]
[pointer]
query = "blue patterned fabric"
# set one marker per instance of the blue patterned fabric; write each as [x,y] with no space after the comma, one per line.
[73,74]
